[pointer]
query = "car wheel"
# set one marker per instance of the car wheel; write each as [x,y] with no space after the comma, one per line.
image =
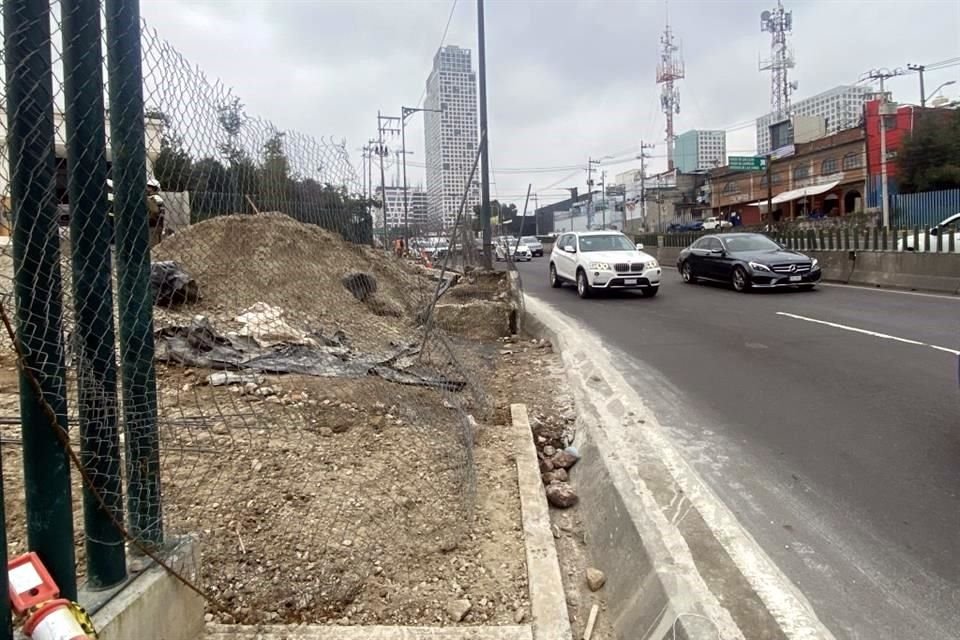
[740,279]
[555,280]
[686,272]
[649,292]
[583,285]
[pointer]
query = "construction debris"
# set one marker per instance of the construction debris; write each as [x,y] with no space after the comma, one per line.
[199,345]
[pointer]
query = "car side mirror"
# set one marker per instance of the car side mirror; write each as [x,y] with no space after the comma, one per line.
[718,252]
[570,248]
[639,246]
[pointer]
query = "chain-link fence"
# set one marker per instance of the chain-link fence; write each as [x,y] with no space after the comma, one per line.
[213,346]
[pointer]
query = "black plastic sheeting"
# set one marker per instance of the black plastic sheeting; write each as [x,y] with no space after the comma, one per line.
[172,285]
[198,345]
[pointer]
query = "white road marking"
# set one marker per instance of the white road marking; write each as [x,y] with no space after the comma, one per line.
[875,334]
[940,296]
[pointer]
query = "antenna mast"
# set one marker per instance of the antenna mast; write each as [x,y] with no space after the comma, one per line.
[778,23]
[669,70]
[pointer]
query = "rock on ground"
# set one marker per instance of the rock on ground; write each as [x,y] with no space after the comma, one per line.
[559,475]
[563,460]
[561,495]
[595,579]
[458,609]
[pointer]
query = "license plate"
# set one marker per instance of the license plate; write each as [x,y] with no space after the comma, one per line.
[795,278]
[631,281]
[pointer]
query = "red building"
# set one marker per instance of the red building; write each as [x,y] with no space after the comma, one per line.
[899,125]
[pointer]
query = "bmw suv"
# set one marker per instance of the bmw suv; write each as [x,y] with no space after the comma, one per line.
[602,260]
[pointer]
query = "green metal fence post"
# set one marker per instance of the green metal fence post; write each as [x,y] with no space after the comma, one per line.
[36,260]
[952,242]
[93,292]
[133,269]
[884,233]
[916,238]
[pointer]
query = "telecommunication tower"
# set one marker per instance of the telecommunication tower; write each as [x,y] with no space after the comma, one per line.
[778,23]
[669,70]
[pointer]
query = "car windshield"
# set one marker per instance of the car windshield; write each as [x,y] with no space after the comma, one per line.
[750,243]
[528,239]
[606,243]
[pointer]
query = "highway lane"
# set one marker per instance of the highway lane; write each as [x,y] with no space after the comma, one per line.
[828,421]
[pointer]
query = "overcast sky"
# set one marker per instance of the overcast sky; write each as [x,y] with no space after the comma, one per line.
[567,79]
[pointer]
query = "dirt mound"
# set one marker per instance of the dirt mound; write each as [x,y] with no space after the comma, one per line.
[240,260]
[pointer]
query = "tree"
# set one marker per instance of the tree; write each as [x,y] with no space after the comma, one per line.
[929,159]
[275,171]
[173,165]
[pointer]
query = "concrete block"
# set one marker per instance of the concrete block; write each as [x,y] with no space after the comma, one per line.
[155,605]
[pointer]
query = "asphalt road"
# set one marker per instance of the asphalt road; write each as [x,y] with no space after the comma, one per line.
[827,421]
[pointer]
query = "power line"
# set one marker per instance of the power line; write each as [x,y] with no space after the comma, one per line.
[443,39]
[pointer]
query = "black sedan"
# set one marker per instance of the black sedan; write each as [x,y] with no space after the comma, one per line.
[747,260]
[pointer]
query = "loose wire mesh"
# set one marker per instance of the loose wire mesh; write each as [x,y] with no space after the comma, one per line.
[316,413]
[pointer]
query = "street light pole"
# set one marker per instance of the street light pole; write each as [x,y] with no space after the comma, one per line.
[404,113]
[484,141]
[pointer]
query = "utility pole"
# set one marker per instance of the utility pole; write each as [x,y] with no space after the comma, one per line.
[590,164]
[536,218]
[384,125]
[884,110]
[406,112]
[659,204]
[643,179]
[603,193]
[919,68]
[769,188]
[484,141]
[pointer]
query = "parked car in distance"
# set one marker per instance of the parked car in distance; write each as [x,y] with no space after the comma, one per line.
[677,227]
[602,260]
[506,246]
[714,223]
[746,261]
[536,248]
[945,228]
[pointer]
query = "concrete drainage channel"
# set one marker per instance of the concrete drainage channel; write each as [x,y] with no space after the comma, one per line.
[678,564]
[548,609]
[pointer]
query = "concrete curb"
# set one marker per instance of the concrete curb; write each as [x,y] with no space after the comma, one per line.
[144,605]
[547,600]
[641,537]
[323,632]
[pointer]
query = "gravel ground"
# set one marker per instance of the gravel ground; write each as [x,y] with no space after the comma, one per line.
[325,500]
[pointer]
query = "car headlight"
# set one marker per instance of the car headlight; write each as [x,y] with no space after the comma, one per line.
[814,265]
[600,266]
[651,265]
[759,267]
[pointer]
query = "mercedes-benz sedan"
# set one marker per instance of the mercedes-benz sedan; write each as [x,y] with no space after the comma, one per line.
[746,261]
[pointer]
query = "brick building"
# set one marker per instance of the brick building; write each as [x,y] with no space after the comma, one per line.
[822,177]
[899,126]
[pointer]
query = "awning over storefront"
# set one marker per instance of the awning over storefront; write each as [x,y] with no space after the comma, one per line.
[803,192]
[795,194]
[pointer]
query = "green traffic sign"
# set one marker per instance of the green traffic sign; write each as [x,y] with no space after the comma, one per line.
[747,163]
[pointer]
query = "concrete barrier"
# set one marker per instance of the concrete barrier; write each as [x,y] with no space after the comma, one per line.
[678,564]
[901,270]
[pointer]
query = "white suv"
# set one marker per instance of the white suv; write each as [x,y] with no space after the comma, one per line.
[603,260]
